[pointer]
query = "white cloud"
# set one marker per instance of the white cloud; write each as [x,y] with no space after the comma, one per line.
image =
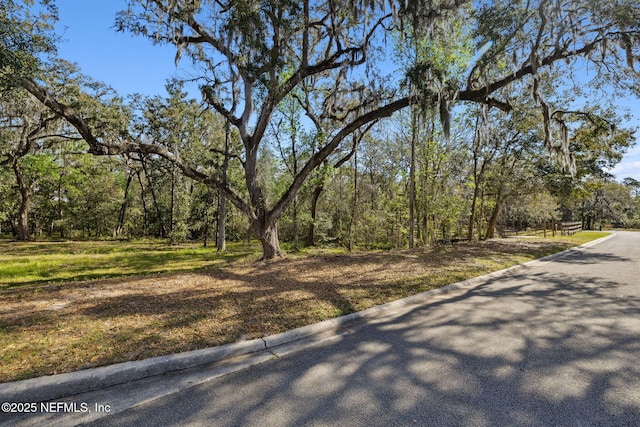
[629,166]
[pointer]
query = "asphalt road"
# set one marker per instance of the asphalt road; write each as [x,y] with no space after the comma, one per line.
[557,343]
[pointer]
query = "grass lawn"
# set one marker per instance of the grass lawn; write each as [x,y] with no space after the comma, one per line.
[31,263]
[75,305]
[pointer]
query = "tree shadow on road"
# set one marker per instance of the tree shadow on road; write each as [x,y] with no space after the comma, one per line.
[589,257]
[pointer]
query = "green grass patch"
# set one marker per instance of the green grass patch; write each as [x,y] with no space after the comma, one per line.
[33,263]
[583,237]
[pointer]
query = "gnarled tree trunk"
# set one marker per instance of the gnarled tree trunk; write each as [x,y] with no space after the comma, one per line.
[268,235]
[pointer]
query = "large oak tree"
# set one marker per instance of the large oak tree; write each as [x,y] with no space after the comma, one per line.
[253,54]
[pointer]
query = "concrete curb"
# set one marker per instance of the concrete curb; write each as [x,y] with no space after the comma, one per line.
[62,385]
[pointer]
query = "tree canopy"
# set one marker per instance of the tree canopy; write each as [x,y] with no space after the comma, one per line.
[334,60]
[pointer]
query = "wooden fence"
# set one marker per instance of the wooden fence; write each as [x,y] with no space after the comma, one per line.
[568,228]
[565,228]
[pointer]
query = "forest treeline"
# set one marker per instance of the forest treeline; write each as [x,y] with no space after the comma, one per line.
[466,186]
[381,124]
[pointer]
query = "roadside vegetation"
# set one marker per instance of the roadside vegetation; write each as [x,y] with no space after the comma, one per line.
[61,321]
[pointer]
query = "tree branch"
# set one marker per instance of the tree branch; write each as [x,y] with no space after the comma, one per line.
[102,148]
[482,94]
[324,152]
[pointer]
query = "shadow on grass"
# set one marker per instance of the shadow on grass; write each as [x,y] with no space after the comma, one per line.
[548,348]
[135,263]
[280,295]
[257,300]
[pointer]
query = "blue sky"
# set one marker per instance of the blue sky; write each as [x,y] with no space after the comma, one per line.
[132,64]
[128,63]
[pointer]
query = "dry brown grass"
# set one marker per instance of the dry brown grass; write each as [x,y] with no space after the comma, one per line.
[58,328]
